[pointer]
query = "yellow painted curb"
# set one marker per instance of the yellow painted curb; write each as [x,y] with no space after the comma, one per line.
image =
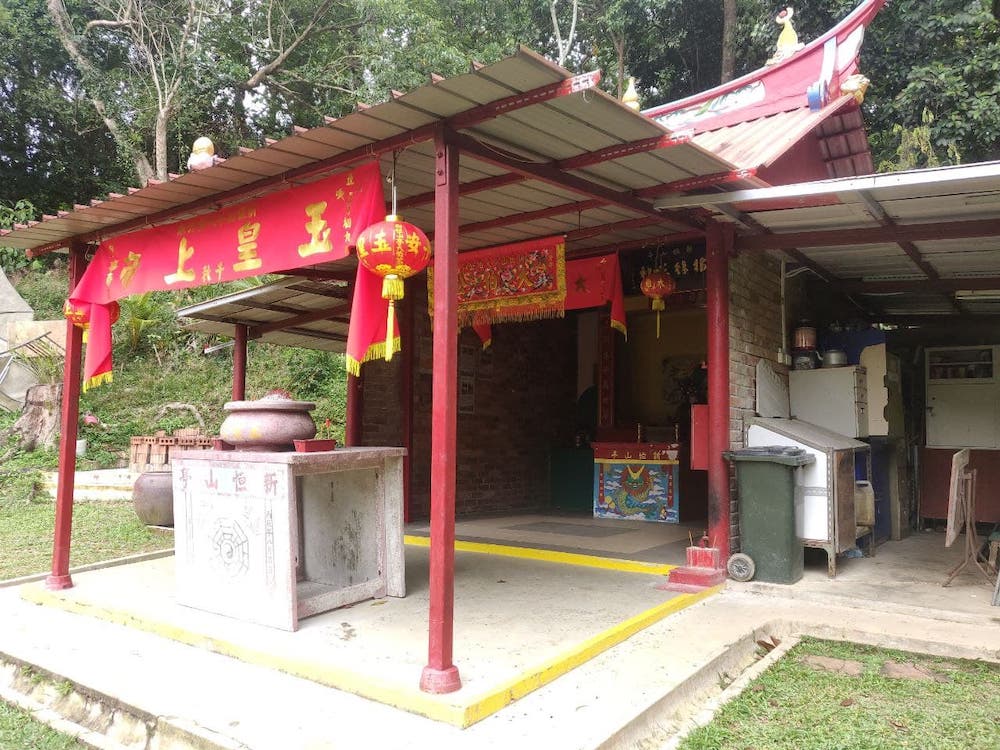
[545,555]
[493,700]
[414,701]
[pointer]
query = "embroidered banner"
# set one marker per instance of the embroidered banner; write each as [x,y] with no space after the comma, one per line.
[590,282]
[523,281]
[297,227]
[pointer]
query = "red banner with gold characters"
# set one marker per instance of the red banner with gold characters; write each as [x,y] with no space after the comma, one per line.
[301,226]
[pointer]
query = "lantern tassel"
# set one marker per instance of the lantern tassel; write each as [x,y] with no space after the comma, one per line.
[390,325]
[658,305]
[392,287]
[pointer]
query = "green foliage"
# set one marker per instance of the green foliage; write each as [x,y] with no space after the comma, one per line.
[941,56]
[794,706]
[54,149]
[18,730]
[916,148]
[18,212]
[146,321]
[45,291]
[101,531]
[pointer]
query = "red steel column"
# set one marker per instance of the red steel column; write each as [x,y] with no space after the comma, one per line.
[406,396]
[440,675]
[354,410]
[240,364]
[60,578]
[719,243]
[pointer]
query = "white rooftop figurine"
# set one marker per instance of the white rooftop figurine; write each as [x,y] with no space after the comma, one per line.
[202,155]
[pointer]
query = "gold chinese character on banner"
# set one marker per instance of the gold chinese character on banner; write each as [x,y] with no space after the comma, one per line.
[319,231]
[247,248]
[131,266]
[206,274]
[184,253]
[112,267]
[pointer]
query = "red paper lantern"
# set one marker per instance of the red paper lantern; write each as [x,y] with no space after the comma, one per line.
[79,315]
[656,285]
[395,250]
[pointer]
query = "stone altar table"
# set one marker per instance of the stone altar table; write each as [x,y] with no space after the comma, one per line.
[271,537]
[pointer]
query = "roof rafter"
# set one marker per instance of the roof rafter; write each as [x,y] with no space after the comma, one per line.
[839,237]
[324,313]
[882,217]
[550,174]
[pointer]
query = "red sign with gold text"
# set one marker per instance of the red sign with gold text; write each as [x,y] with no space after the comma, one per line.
[301,226]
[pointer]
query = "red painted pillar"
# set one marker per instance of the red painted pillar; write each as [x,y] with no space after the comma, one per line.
[440,675]
[240,364]
[719,243]
[406,396]
[354,410]
[60,578]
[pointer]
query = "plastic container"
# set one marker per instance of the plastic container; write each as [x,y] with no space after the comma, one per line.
[765,479]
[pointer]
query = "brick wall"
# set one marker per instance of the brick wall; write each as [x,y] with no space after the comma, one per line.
[754,334]
[524,400]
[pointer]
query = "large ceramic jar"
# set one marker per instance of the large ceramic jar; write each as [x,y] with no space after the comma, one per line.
[153,498]
[268,424]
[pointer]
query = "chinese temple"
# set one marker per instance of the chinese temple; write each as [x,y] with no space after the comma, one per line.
[604,286]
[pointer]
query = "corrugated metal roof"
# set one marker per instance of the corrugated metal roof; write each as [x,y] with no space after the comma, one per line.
[281,312]
[907,241]
[544,132]
[755,144]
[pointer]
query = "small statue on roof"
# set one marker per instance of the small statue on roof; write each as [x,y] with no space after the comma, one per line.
[202,155]
[788,40]
[856,84]
[631,97]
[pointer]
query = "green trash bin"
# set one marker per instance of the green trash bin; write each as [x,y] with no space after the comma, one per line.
[765,479]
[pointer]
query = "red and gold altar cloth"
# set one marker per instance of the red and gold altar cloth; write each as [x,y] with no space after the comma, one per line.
[301,226]
[523,281]
[636,481]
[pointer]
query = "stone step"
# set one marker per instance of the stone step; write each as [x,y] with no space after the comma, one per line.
[102,485]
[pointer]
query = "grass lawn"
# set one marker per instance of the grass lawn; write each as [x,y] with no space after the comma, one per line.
[796,706]
[101,531]
[18,731]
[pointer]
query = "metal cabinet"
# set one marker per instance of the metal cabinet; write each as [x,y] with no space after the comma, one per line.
[963,397]
[835,398]
[824,489]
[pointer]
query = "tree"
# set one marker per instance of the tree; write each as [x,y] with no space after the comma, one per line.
[45,122]
[143,61]
[728,39]
[563,43]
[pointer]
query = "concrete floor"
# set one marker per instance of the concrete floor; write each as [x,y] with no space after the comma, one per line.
[580,533]
[515,618]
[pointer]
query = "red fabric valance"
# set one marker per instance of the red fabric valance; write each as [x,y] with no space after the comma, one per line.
[523,281]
